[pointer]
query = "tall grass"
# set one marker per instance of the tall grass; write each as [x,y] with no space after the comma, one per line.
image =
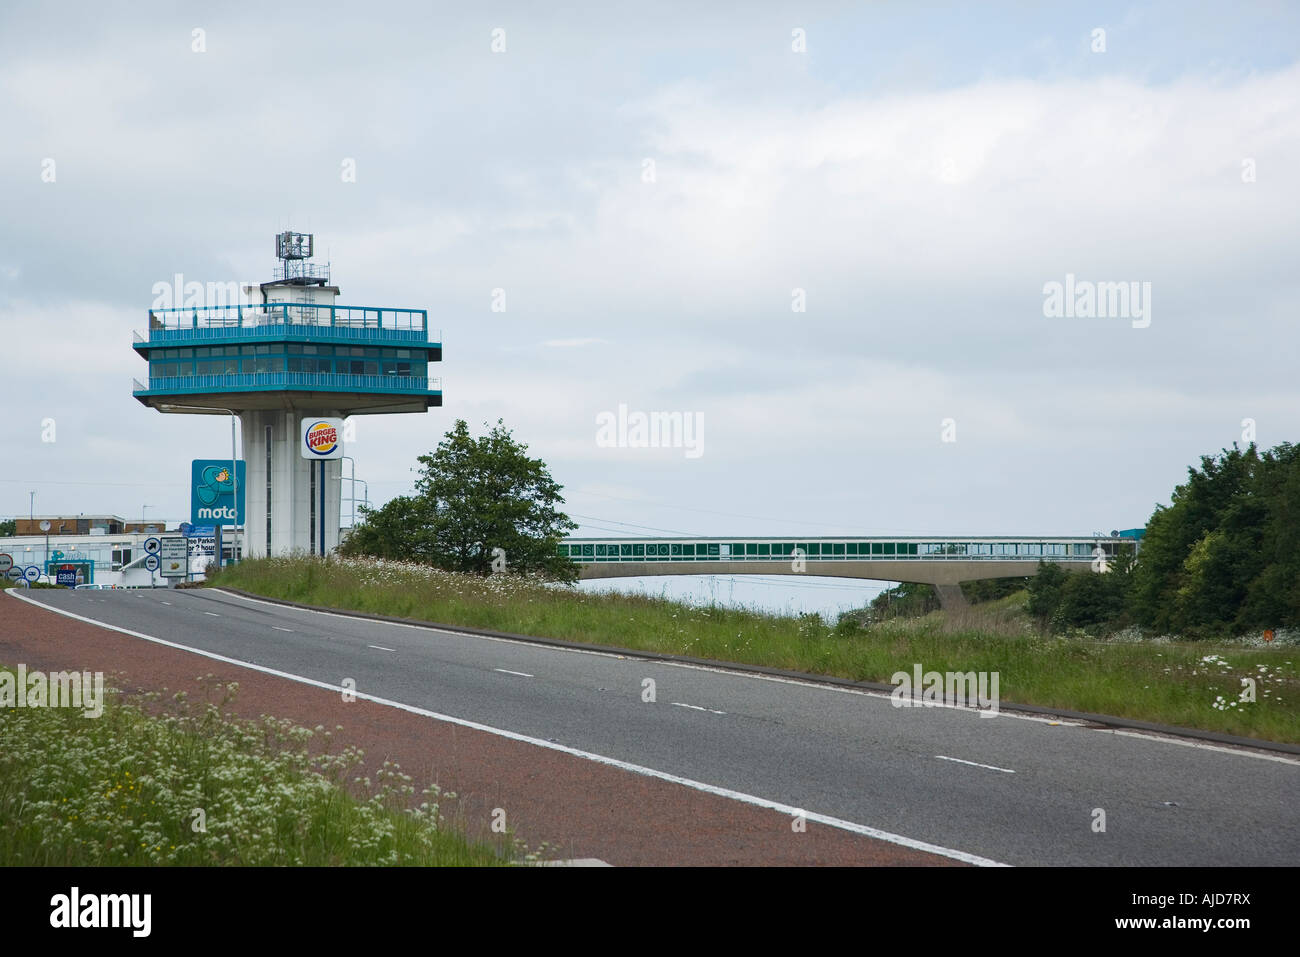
[1194,685]
[191,786]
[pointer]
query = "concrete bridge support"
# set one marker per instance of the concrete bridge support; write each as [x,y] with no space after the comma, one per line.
[951,597]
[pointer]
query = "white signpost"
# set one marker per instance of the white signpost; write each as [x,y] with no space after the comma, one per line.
[173,555]
[6,563]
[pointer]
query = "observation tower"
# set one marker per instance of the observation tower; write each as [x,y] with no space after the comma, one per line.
[290,355]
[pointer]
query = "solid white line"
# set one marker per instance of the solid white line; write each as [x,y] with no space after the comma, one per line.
[381,648]
[507,671]
[278,628]
[1200,745]
[974,764]
[696,707]
[777,806]
[752,675]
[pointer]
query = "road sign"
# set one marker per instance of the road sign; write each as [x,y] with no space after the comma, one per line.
[200,531]
[6,562]
[15,573]
[151,546]
[185,528]
[174,557]
[212,492]
[31,573]
[152,562]
[66,576]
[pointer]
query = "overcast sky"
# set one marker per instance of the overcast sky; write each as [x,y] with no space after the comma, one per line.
[920,171]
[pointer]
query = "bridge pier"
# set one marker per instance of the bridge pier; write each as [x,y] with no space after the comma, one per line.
[951,597]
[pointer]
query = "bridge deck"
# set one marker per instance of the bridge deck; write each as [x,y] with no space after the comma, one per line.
[943,563]
[1028,549]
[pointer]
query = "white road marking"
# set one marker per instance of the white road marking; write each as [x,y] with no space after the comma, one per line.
[161,602]
[278,628]
[212,613]
[755,676]
[696,707]
[974,764]
[507,671]
[380,648]
[1154,736]
[740,796]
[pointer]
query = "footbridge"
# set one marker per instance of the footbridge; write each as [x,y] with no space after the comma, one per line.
[944,563]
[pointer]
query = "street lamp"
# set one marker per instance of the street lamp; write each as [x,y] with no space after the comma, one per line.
[144,519]
[352,491]
[234,463]
[354,480]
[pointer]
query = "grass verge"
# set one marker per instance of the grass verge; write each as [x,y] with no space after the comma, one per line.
[193,786]
[1192,684]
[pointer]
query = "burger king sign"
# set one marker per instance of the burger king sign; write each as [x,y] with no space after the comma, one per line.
[322,438]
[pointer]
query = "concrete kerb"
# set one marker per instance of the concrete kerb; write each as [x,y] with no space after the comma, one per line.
[1109,721]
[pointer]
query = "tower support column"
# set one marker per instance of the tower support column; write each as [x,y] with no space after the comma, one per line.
[283,498]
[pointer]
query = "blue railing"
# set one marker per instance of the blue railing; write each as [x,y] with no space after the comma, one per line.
[168,325]
[290,332]
[257,381]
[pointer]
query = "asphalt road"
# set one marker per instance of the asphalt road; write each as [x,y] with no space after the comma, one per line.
[1016,790]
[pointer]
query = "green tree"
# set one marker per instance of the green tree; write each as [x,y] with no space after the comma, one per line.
[1223,558]
[1089,599]
[1045,590]
[905,600]
[991,589]
[1199,506]
[480,505]
[1273,595]
[398,530]
[8,527]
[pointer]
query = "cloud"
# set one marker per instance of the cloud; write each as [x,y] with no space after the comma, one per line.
[917,195]
[574,343]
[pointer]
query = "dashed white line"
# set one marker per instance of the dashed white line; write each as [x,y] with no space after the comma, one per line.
[507,671]
[381,648]
[161,602]
[278,628]
[739,673]
[696,707]
[975,764]
[212,613]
